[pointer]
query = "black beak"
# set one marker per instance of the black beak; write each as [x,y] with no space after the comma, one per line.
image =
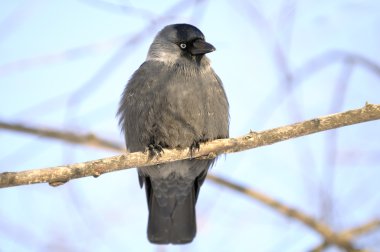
[200,47]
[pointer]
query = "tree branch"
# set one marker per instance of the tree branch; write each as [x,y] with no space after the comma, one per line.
[61,174]
[342,239]
[293,213]
[365,228]
[351,233]
[87,139]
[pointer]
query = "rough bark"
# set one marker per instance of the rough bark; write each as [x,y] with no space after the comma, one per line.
[61,174]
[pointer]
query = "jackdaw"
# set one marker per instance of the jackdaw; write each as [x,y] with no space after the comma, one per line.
[174,100]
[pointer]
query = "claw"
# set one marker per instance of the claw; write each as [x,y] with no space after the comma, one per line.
[194,146]
[155,149]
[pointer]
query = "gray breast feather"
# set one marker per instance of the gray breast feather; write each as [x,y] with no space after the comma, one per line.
[174,105]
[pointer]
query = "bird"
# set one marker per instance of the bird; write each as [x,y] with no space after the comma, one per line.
[174,100]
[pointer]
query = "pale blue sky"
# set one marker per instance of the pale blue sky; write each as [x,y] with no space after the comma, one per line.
[50,51]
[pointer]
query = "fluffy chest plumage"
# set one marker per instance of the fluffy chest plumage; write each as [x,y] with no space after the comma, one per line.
[174,106]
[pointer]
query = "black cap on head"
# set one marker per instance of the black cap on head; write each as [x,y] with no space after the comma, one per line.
[189,35]
[186,32]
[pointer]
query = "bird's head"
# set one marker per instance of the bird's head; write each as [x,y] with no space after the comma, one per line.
[179,42]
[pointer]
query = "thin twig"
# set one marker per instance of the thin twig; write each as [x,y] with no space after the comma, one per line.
[309,221]
[351,233]
[87,139]
[362,229]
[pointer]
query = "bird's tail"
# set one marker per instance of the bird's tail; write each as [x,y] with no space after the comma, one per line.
[171,217]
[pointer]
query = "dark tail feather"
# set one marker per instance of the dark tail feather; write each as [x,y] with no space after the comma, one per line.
[172,220]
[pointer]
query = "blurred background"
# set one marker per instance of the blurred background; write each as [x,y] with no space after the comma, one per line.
[64,65]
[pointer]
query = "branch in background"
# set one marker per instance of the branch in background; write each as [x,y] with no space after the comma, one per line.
[351,233]
[88,139]
[62,174]
[365,228]
[320,227]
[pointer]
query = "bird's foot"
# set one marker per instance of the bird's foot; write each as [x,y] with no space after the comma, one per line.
[155,149]
[195,146]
